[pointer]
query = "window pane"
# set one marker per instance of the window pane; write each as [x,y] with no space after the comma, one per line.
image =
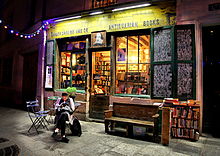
[133,49]
[121,49]
[133,73]
[144,49]
[65,69]
[144,70]
[78,70]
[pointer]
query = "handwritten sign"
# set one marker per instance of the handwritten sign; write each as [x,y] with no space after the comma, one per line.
[162,86]
[184,44]
[162,45]
[185,80]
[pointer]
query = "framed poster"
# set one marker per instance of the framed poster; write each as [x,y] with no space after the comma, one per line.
[98,39]
[121,54]
[50,49]
[49,77]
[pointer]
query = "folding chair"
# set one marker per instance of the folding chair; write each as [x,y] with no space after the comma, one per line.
[38,118]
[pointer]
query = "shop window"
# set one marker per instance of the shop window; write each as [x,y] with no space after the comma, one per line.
[101,72]
[102,3]
[72,65]
[133,65]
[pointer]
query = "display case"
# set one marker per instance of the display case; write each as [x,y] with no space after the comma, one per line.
[185,120]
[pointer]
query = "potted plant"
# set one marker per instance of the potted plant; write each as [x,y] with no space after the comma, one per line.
[72,92]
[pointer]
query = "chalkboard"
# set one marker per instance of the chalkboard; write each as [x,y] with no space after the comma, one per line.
[162,85]
[184,44]
[185,80]
[49,57]
[162,45]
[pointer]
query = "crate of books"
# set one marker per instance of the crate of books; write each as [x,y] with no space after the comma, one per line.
[185,120]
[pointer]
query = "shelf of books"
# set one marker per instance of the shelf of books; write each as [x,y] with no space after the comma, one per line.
[185,119]
[101,72]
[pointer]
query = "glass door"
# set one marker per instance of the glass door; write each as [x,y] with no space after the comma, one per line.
[101,73]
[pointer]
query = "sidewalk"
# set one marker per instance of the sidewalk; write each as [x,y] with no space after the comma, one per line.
[93,142]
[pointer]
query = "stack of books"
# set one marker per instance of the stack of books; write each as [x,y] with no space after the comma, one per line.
[184,118]
[169,102]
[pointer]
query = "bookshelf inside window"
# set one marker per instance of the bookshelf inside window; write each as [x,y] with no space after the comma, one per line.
[185,121]
[101,77]
[72,65]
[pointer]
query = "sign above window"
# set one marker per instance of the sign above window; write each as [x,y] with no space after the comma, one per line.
[133,19]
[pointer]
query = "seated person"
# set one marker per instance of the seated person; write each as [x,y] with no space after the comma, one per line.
[64,109]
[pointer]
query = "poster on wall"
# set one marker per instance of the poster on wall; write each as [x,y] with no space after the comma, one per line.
[49,77]
[50,49]
[98,39]
[121,54]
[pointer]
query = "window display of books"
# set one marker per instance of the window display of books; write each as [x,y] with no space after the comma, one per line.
[72,65]
[185,120]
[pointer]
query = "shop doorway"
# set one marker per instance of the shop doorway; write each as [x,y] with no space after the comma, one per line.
[211,80]
[100,83]
[29,84]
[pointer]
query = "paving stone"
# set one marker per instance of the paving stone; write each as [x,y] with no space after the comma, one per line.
[126,149]
[156,150]
[94,149]
[111,153]
[94,142]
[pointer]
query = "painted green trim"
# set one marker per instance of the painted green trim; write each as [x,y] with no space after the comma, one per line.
[173,64]
[64,90]
[192,62]
[153,63]
[132,95]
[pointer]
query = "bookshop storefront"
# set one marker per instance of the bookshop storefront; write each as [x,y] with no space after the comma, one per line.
[133,56]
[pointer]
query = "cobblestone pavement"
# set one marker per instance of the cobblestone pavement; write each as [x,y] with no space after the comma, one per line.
[93,142]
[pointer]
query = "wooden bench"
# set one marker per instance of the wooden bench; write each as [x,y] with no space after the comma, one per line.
[131,115]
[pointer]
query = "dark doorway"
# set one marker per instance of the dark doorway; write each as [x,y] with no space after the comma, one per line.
[211,80]
[29,87]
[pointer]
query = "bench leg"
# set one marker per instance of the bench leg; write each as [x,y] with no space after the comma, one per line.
[112,126]
[106,126]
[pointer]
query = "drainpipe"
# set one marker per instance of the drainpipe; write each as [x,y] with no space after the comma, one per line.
[42,69]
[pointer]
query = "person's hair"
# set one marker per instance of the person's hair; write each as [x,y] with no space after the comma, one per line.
[64,94]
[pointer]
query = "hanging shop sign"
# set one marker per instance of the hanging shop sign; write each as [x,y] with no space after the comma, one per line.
[141,18]
[98,39]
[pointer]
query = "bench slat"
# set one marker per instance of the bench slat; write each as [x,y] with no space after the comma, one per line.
[133,121]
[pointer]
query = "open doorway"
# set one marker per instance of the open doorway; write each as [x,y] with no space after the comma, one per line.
[29,86]
[100,83]
[211,80]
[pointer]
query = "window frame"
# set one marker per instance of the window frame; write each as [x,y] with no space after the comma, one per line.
[174,61]
[138,34]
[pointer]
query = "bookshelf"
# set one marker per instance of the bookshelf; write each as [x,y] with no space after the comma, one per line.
[101,72]
[185,121]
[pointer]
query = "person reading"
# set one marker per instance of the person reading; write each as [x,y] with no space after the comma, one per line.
[64,112]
